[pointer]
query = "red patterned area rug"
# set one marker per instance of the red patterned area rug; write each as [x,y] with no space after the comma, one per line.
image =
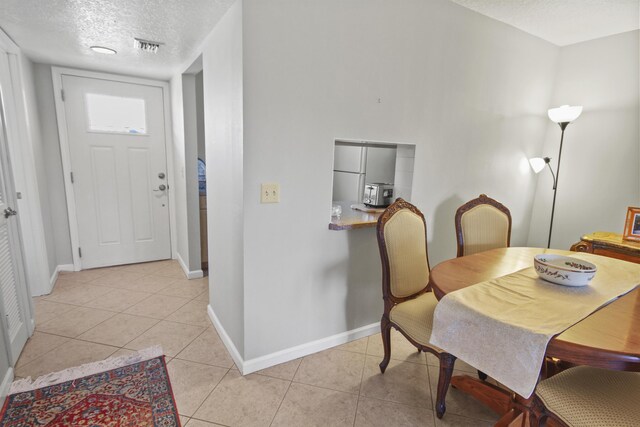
[127,391]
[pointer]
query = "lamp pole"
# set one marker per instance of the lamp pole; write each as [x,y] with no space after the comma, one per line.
[563,126]
[562,115]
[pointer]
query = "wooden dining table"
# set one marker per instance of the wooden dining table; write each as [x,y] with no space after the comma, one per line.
[608,338]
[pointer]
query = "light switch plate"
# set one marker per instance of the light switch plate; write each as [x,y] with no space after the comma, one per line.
[270,193]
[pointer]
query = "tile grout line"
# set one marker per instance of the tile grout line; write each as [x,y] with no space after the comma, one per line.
[207,396]
[190,342]
[46,352]
[288,387]
[432,406]
[322,387]
[364,367]
[284,396]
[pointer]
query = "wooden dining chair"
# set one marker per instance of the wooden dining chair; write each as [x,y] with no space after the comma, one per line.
[584,397]
[408,302]
[482,224]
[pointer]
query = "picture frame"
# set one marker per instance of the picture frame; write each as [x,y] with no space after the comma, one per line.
[632,225]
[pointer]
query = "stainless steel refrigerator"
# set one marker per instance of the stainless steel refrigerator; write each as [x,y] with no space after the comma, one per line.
[354,165]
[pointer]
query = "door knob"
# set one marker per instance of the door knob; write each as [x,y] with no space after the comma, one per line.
[10,212]
[161,175]
[161,187]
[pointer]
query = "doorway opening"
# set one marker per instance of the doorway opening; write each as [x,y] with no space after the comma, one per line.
[114,145]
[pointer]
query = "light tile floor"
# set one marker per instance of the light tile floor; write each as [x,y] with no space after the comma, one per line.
[94,314]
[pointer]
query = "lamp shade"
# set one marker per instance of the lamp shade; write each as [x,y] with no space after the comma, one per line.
[565,113]
[537,164]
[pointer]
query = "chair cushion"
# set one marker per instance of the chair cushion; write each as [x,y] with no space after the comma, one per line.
[484,227]
[404,236]
[586,396]
[415,317]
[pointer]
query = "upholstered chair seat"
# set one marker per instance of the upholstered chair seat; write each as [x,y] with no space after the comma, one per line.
[409,303]
[592,397]
[415,317]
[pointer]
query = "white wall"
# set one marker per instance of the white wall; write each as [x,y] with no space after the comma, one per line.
[179,189]
[600,171]
[55,215]
[39,160]
[470,92]
[189,93]
[185,191]
[4,370]
[223,105]
[57,219]
[200,115]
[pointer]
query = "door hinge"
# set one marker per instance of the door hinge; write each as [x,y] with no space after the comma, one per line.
[72,180]
[80,251]
[62,94]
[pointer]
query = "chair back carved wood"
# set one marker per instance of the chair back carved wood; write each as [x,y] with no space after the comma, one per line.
[497,221]
[389,298]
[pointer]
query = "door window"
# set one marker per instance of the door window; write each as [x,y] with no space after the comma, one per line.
[116,114]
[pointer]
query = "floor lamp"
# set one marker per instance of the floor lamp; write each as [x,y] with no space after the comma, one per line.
[562,116]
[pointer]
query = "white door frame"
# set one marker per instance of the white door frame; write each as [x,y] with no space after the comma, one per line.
[16,251]
[57,73]
[20,142]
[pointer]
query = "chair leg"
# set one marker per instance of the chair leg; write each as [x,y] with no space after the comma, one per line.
[385,330]
[537,413]
[482,375]
[447,361]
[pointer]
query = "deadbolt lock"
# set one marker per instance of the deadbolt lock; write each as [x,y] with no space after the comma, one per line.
[161,175]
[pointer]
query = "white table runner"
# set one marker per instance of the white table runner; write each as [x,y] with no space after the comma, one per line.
[502,326]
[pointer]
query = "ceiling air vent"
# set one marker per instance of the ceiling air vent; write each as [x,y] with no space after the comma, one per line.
[146,45]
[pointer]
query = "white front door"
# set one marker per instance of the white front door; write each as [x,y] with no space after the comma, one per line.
[13,288]
[116,135]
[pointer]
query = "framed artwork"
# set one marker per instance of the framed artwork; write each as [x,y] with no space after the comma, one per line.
[632,225]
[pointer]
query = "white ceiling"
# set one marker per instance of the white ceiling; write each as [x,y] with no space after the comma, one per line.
[61,31]
[563,22]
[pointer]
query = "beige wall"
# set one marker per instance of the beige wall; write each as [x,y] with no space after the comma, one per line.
[469,91]
[200,115]
[56,219]
[185,167]
[4,366]
[222,57]
[600,171]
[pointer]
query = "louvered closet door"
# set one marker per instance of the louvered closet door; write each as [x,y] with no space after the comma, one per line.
[12,282]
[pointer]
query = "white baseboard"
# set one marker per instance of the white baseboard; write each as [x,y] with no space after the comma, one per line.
[226,339]
[195,274]
[54,276]
[5,385]
[292,353]
[288,354]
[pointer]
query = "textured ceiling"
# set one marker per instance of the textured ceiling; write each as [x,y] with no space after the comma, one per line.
[563,22]
[61,31]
